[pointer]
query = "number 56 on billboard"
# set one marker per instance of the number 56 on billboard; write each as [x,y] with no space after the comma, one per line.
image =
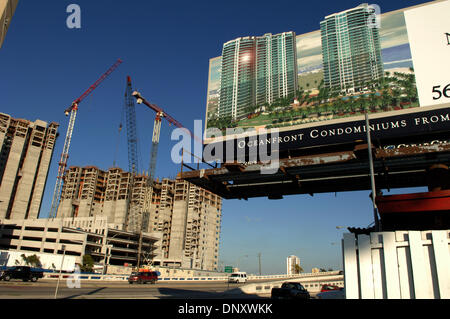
[429,38]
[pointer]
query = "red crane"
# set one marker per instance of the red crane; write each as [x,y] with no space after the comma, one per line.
[72,110]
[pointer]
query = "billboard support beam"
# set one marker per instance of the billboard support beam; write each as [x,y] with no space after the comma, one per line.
[372,175]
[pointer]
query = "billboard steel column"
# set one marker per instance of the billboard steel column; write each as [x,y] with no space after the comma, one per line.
[372,175]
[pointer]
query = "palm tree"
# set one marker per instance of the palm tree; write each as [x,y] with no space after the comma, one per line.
[395,96]
[298,269]
[32,260]
[385,98]
[88,263]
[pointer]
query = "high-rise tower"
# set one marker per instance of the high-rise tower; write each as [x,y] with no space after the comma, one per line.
[291,261]
[350,49]
[256,70]
[187,217]
[26,149]
[7,8]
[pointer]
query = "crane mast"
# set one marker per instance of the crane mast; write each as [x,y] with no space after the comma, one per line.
[72,110]
[131,129]
[155,142]
[154,151]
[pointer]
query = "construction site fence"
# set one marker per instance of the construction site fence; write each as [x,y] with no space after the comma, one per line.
[95,277]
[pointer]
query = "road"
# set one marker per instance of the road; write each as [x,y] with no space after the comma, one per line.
[45,289]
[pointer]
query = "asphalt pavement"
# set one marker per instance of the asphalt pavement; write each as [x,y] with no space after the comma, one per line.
[45,289]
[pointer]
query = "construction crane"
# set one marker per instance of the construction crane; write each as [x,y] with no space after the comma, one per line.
[154,151]
[130,113]
[160,113]
[72,110]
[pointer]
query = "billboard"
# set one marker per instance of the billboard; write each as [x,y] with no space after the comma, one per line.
[313,89]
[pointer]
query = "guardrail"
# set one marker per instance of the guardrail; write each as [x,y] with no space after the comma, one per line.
[107,277]
[86,277]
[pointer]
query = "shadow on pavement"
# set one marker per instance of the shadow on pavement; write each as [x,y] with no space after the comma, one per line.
[86,294]
[236,293]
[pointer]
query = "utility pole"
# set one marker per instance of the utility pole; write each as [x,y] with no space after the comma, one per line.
[139,250]
[63,247]
[259,259]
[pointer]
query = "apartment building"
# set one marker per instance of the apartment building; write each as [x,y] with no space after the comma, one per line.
[256,70]
[351,49]
[7,9]
[291,262]
[192,239]
[187,217]
[83,192]
[25,155]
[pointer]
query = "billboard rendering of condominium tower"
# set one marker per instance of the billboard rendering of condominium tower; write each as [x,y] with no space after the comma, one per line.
[351,49]
[256,70]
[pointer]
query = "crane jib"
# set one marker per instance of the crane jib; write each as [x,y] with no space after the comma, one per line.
[65,152]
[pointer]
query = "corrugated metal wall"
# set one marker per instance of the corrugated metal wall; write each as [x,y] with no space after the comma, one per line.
[397,265]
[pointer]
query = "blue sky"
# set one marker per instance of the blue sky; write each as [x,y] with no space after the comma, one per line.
[166,47]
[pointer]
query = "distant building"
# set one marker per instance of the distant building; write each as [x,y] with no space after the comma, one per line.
[291,261]
[256,70]
[7,8]
[350,49]
[187,217]
[26,149]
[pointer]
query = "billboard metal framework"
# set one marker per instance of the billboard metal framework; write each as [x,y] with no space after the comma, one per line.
[333,169]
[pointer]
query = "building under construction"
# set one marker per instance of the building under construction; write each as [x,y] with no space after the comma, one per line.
[187,217]
[7,9]
[25,154]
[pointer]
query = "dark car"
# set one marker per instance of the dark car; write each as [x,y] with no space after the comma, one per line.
[290,290]
[143,277]
[22,272]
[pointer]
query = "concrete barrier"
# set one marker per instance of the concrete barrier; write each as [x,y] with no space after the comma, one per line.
[313,285]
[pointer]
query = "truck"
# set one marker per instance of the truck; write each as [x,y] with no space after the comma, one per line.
[238,276]
[290,290]
[25,273]
[142,277]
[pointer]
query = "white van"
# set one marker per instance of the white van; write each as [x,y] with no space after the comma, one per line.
[238,277]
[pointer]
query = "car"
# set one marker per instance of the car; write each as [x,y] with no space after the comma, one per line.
[329,288]
[143,277]
[238,277]
[290,290]
[25,273]
[332,294]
